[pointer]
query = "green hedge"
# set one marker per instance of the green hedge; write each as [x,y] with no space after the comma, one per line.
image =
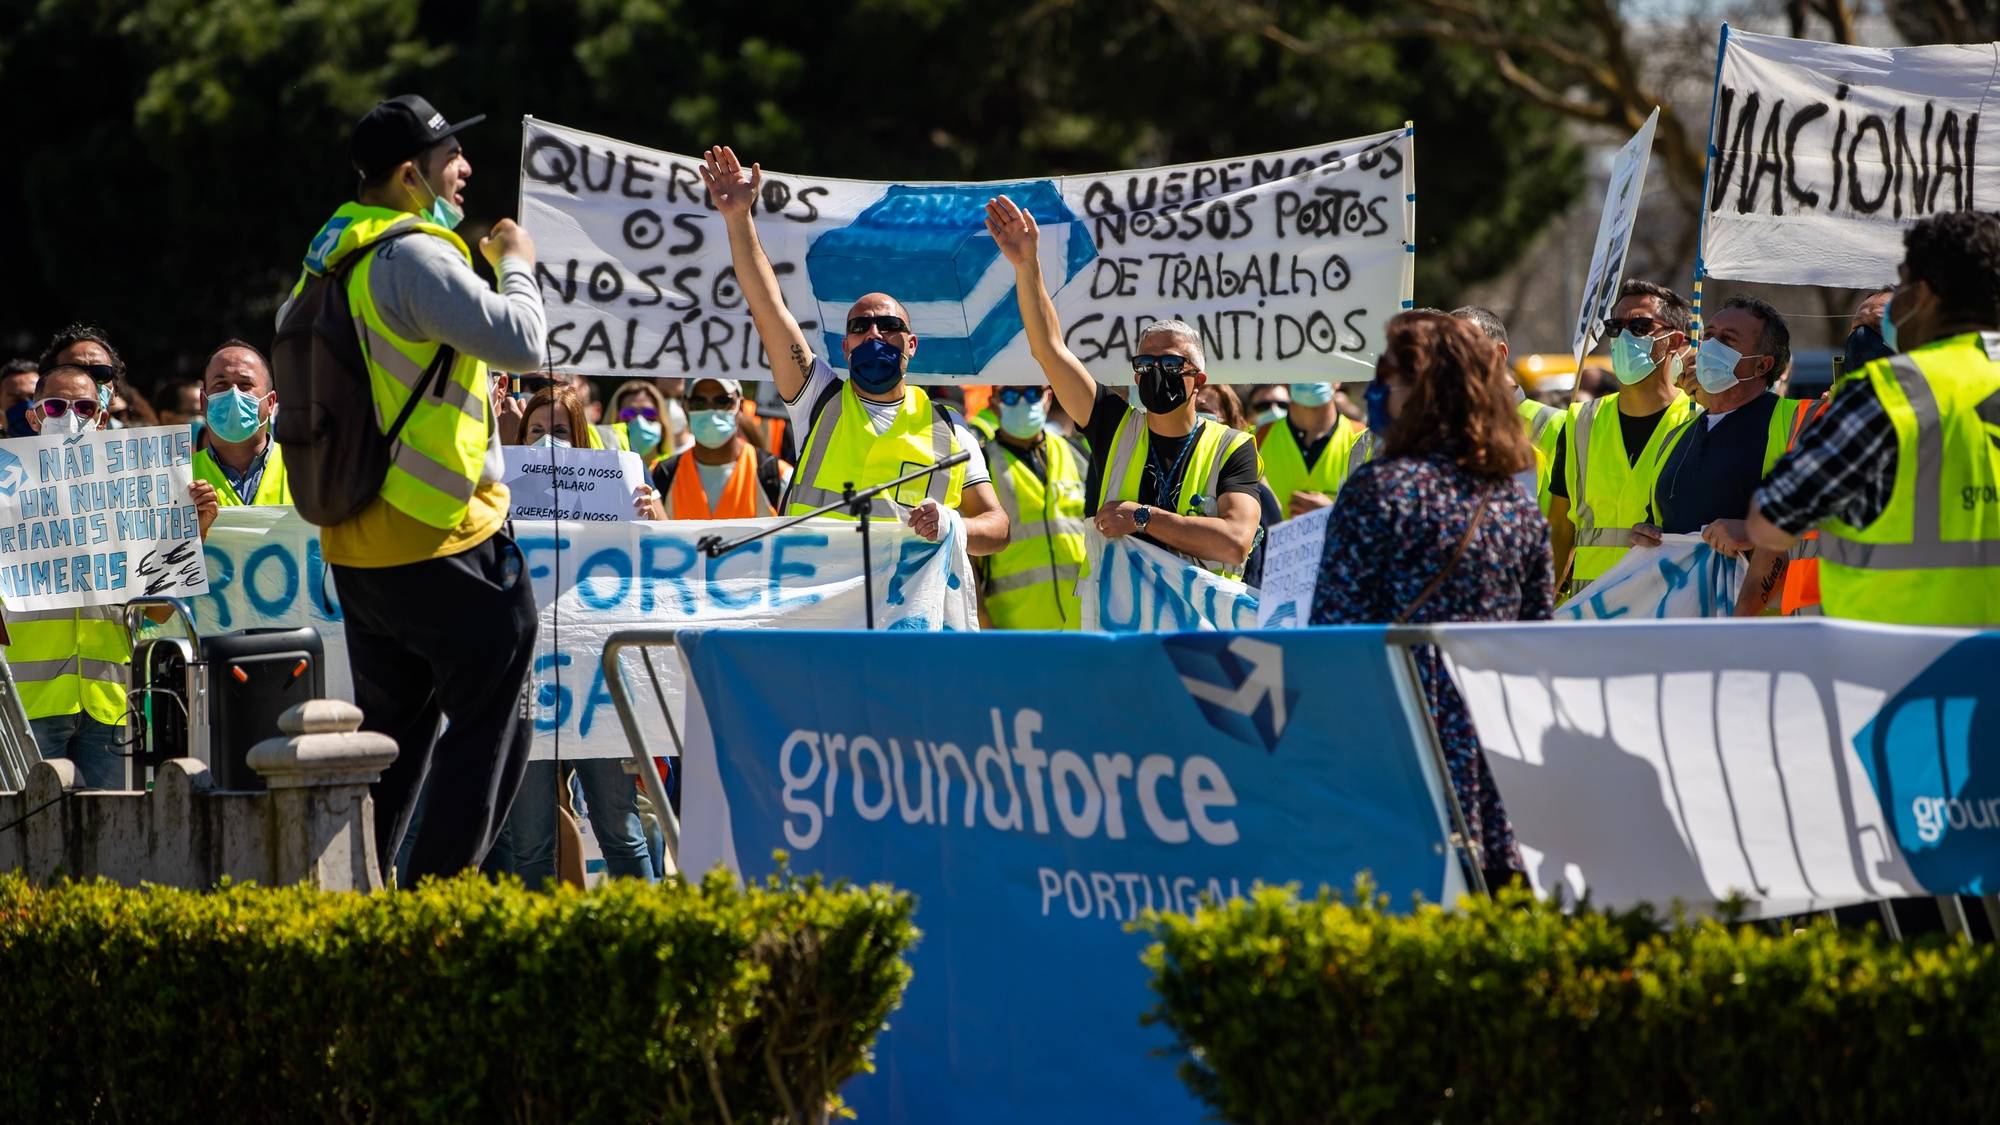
[460,1001]
[1510,1011]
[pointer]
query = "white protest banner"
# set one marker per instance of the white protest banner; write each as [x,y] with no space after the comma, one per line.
[1287,263]
[1292,551]
[1132,586]
[594,484]
[1682,577]
[97,518]
[1614,235]
[593,579]
[1820,155]
[1803,764]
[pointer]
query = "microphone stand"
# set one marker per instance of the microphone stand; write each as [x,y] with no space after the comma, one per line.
[855,504]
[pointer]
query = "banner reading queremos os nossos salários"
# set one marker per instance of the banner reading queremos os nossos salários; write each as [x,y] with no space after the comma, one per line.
[1037,790]
[1801,763]
[265,571]
[1288,263]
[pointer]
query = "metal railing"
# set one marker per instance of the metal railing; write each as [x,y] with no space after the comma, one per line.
[645,640]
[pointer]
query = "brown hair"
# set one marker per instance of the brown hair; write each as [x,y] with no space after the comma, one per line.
[1232,407]
[562,398]
[1459,403]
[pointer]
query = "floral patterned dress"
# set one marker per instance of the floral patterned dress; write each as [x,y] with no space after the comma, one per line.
[1395,524]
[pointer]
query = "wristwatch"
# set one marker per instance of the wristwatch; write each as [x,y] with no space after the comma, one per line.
[1141,516]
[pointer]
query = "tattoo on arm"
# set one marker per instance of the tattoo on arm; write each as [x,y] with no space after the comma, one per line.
[804,359]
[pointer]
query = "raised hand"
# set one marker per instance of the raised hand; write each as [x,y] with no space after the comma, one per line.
[1013,228]
[733,189]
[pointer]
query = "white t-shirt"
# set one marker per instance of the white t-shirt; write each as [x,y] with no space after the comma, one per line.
[881,415]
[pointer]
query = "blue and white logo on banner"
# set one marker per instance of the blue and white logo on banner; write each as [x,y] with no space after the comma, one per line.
[928,245]
[1036,792]
[13,474]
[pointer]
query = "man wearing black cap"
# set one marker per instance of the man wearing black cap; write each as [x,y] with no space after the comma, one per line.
[440,618]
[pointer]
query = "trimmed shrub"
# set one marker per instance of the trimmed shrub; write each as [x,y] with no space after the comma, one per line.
[459,1001]
[1508,1010]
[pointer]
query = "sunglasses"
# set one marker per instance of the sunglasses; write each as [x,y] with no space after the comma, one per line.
[1640,325]
[859,325]
[631,412]
[1171,364]
[1264,404]
[1014,396]
[723,401]
[57,407]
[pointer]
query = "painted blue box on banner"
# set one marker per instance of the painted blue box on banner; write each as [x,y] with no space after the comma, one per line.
[1035,792]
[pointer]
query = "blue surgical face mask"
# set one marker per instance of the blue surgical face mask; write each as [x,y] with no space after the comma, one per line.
[1715,366]
[1888,327]
[645,434]
[1376,398]
[1268,415]
[1207,417]
[441,211]
[1631,357]
[712,429]
[1023,420]
[1312,394]
[875,365]
[234,415]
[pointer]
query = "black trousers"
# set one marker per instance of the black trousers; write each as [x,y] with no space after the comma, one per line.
[452,637]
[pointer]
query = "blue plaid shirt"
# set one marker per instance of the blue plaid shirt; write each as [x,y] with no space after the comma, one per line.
[253,475]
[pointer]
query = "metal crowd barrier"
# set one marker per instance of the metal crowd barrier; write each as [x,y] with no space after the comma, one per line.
[18,753]
[645,640]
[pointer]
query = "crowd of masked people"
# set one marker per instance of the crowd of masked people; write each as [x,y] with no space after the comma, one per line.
[1453,495]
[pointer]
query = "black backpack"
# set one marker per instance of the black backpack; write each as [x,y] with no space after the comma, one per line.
[336,456]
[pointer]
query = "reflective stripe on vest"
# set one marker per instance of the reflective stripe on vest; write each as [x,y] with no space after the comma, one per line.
[70,660]
[842,443]
[1031,584]
[1214,442]
[1944,400]
[1604,508]
[272,488]
[1361,452]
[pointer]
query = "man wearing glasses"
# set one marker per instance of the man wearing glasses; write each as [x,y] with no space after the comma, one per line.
[1040,479]
[1185,483]
[1601,484]
[721,476]
[71,664]
[872,427]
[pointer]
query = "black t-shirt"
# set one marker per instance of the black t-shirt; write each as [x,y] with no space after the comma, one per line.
[1166,458]
[1712,471]
[1637,430]
[1311,450]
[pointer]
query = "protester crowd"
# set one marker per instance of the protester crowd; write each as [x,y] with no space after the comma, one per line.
[1454,495]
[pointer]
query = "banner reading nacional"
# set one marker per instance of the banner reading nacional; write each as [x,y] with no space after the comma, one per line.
[1820,155]
[593,579]
[1035,814]
[98,518]
[1287,263]
[1802,763]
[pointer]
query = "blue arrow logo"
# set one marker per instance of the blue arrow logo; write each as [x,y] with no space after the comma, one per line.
[13,474]
[1238,683]
[927,246]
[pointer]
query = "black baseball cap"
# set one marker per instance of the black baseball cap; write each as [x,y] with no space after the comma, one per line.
[397,130]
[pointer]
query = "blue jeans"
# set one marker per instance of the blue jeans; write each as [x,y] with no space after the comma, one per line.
[92,745]
[611,802]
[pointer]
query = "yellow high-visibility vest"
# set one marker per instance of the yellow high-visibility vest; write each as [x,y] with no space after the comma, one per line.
[1285,468]
[1933,556]
[1609,494]
[1032,584]
[436,462]
[1544,425]
[70,660]
[1201,483]
[272,488]
[842,449]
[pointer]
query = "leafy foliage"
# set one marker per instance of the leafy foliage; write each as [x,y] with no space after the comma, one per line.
[172,157]
[460,1001]
[1508,1010]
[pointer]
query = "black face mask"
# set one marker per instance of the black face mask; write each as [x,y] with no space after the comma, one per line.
[1161,392]
[1865,345]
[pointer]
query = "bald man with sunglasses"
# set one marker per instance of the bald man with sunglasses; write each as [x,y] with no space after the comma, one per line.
[871,427]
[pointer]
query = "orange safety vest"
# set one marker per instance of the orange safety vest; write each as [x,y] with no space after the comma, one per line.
[742,498]
[1801,592]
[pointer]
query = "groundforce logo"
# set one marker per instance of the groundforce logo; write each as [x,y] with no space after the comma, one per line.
[1935,814]
[1238,682]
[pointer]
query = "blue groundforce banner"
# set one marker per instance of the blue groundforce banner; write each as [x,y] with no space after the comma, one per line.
[1036,792]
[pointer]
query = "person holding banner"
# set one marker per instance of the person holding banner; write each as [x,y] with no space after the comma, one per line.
[1164,474]
[240,460]
[1040,478]
[1603,475]
[722,476]
[1434,529]
[1902,475]
[872,427]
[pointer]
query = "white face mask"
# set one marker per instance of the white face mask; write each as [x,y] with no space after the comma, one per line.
[549,441]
